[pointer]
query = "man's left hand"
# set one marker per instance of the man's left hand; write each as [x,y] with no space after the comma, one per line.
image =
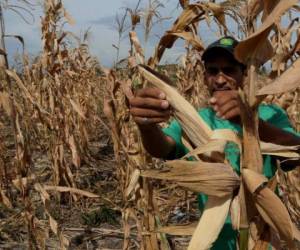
[226,104]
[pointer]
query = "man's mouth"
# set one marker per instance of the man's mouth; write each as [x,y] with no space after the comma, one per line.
[221,89]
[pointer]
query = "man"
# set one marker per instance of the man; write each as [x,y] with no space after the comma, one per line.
[223,76]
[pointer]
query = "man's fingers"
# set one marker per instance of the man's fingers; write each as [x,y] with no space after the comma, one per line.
[231,114]
[143,102]
[151,92]
[221,97]
[221,110]
[147,121]
[149,112]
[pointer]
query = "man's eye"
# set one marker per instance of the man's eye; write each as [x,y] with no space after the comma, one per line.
[229,70]
[212,70]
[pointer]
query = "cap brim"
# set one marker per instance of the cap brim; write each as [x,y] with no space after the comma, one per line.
[209,52]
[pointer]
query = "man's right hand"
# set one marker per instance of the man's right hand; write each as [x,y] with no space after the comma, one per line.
[149,107]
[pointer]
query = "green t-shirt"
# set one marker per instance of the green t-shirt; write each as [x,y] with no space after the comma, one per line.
[270,113]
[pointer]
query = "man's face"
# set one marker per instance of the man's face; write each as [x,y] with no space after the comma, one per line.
[222,73]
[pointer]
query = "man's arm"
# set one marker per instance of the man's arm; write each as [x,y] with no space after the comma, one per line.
[270,133]
[226,104]
[148,108]
[156,142]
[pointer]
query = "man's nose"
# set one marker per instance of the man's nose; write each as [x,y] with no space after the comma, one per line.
[220,79]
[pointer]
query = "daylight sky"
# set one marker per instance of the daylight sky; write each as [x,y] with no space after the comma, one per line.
[98,16]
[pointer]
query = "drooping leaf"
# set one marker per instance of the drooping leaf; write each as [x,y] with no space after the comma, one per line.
[207,232]
[215,179]
[288,81]
[267,202]
[256,45]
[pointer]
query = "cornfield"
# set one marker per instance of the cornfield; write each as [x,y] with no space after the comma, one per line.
[74,173]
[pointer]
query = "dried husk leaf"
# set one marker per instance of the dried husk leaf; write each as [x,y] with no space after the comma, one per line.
[215,179]
[190,37]
[71,190]
[188,16]
[5,102]
[266,202]
[78,109]
[207,232]
[269,5]
[227,135]
[211,146]
[218,12]
[182,230]
[133,181]
[26,93]
[4,199]
[252,9]
[253,180]
[288,81]
[235,212]
[279,150]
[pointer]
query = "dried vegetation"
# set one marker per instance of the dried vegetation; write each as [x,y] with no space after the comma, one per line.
[54,143]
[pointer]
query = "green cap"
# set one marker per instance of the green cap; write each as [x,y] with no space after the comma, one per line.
[227,43]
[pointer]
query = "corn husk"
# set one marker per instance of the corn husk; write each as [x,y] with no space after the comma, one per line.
[216,179]
[207,230]
[266,202]
[182,230]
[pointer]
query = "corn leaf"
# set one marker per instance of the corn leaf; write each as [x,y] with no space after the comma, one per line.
[256,43]
[182,230]
[215,179]
[207,232]
[288,81]
[267,202]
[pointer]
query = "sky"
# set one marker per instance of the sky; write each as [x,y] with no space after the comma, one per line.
[97,16]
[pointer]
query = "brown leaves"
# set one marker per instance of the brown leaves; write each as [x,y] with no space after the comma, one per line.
[182,27]
[207,232]
[267,202]
[256,46]
[183,230]
[5,102]
[288,81]
[214,179]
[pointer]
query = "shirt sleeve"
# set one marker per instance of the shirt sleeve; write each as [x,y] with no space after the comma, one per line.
[174,131]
